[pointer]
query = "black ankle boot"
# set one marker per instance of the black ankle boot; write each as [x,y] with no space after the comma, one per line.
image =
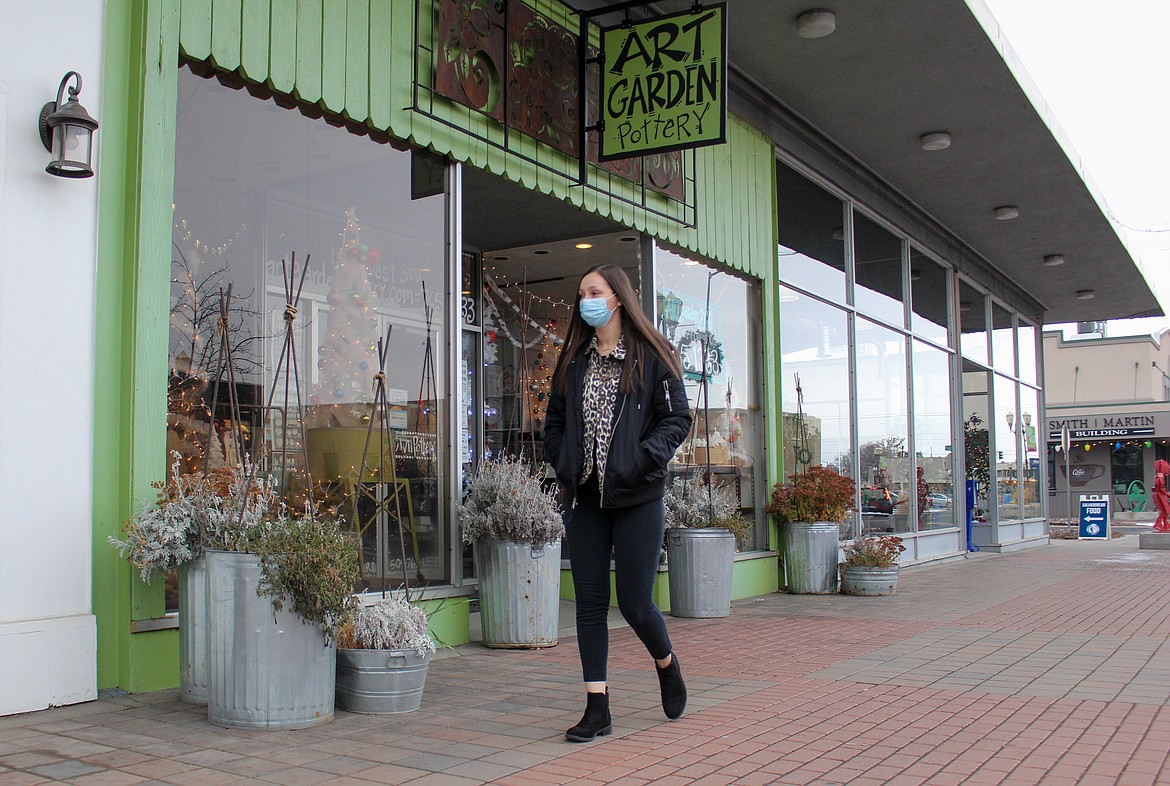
[595,722]
[674,692]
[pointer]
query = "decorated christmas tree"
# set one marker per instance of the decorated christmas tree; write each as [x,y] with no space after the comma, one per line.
[348,352]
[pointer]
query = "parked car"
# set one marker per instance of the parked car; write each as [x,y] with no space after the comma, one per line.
[938,501]
[876,499]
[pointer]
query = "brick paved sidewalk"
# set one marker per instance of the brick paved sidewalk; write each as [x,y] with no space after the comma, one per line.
[1048,666]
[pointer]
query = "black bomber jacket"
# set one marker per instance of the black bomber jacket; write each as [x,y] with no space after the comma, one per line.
[649,425]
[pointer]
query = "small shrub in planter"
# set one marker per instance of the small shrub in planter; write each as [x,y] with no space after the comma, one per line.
[873,552]
[817,494]
[870,566]
[382,658]
[515,528]
[505,501]
[701,561]
[694,503]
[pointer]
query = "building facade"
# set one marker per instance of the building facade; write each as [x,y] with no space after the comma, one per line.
[406,176]
[1112,394]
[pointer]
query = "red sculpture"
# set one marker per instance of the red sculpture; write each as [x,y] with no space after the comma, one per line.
[1161,496]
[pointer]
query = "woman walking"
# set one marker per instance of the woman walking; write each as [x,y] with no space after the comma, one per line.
[616,414]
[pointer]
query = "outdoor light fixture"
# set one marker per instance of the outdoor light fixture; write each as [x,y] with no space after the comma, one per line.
[817,23]
[935,140]
[1086,294]
[1006,212]
[1011,420]
[67,132]
[1052,260]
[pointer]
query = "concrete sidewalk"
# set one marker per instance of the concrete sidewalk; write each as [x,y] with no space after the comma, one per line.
[1046,666]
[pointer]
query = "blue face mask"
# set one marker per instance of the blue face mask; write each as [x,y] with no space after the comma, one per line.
[595,312]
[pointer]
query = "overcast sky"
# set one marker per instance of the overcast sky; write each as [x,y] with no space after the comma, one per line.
[1103,69]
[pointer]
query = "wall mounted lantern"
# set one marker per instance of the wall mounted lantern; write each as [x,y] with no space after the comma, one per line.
[67,132]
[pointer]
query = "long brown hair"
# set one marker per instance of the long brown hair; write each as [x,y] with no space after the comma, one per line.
[640,334]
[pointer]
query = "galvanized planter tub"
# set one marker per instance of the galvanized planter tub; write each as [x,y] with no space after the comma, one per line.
[267,669]
[861,580]
[193,651]
[519,593]
[380,682]
[701,563]
[810,557]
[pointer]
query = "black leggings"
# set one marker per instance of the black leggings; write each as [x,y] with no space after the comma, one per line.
[634,535]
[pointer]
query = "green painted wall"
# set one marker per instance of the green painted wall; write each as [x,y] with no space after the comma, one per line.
[353,59]
[447,620]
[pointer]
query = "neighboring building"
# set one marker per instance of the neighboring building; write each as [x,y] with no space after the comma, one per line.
[883,223]
[1113,394]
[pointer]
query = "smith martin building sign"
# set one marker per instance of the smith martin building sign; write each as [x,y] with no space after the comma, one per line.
[663,84]
[1106,426]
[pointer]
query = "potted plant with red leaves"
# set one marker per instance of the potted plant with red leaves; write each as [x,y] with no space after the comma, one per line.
[870,566]
[811,508]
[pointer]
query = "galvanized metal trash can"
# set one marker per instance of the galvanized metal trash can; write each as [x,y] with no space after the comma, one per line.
[519,593]
[701,563]
[267,669]
[380,682]
[193,652]
[810,557]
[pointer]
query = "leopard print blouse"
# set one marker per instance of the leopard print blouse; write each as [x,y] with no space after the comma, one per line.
[602,378]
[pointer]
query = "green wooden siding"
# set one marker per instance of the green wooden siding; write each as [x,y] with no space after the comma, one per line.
[355,58]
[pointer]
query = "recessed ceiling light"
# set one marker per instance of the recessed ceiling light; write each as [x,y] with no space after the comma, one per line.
[583,246]
[1052,260]
[838,233]
[816,23]
[1006,212]
[540,251]
[501,259]
[935,140]
[1086,294]
[628,239]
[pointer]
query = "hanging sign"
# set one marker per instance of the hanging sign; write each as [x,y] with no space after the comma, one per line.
[663,83]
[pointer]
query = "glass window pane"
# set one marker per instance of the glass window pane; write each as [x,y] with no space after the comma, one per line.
[713,318]
[1003,340]
[374,265]
[811,230]
[814,346]
[878,271]
[928,295]
[933,440]
[976,439]
[1007,463]
[1030,485]
[972,323]
[1026,339]
[882,415]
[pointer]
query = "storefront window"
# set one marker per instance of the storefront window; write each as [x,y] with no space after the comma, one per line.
[254,185]
[882,415]
[1007,465]
[972,323]
[928,295]
[878,271]
[1026,339]
[812,236]
[1030,483]
[933,440]
[1003,340]
[814,347]
[977,457]
[713,317]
